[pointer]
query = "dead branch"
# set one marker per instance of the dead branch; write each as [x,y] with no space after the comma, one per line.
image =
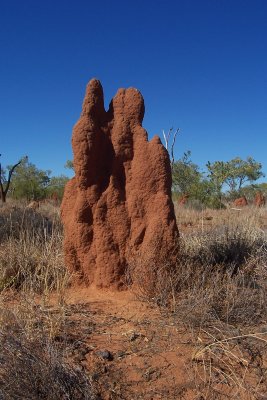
[167,138]
[4,191]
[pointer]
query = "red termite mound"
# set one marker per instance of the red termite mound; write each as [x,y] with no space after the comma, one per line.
[259,200]
[241,202]
[119,202]
[183,200]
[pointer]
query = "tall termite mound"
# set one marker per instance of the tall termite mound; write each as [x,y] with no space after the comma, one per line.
[119,204]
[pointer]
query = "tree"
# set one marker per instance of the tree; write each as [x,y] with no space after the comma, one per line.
[185,175]
[5,182]
[242,171]
[56,186]
[188,180]
[69,164]
[234,173]
[29,182]
[218,172]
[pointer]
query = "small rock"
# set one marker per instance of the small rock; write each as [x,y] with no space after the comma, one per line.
[95,376]
[120,354]
[134,336]
[105,354]
[84,351]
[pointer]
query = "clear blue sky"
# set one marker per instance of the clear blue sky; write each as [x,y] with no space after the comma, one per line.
[201,65]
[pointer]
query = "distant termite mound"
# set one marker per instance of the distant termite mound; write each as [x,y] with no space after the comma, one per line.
[119,204]
[241,202]
[259,200]
[183,200]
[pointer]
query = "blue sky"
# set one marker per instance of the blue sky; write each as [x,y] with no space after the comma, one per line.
[201,65]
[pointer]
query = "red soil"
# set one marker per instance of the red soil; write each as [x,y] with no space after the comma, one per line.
[151,356]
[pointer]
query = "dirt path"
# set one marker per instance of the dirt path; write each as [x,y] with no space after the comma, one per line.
[129,348]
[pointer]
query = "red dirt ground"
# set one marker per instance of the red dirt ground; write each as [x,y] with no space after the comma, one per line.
[151,356]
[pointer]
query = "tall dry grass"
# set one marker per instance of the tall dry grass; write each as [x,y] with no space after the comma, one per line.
[34,365]
[31,256]
[218,291]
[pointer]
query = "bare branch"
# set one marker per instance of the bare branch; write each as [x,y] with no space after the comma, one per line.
[167,138]
[4,191]
[173,143]
[169,133]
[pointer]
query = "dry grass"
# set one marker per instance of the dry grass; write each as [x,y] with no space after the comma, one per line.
[219,293]
[34,365]
[204,220]
[220,275]
[230,364]
[31,256]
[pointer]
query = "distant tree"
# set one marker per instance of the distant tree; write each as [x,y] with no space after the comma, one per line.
[234,173]
[242,171]
[189,180]
[204,192]
[29,182]
[185,175]
[5,181]
[56,186]
[69,164]
[217,174]
[261,187]
[209,187]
